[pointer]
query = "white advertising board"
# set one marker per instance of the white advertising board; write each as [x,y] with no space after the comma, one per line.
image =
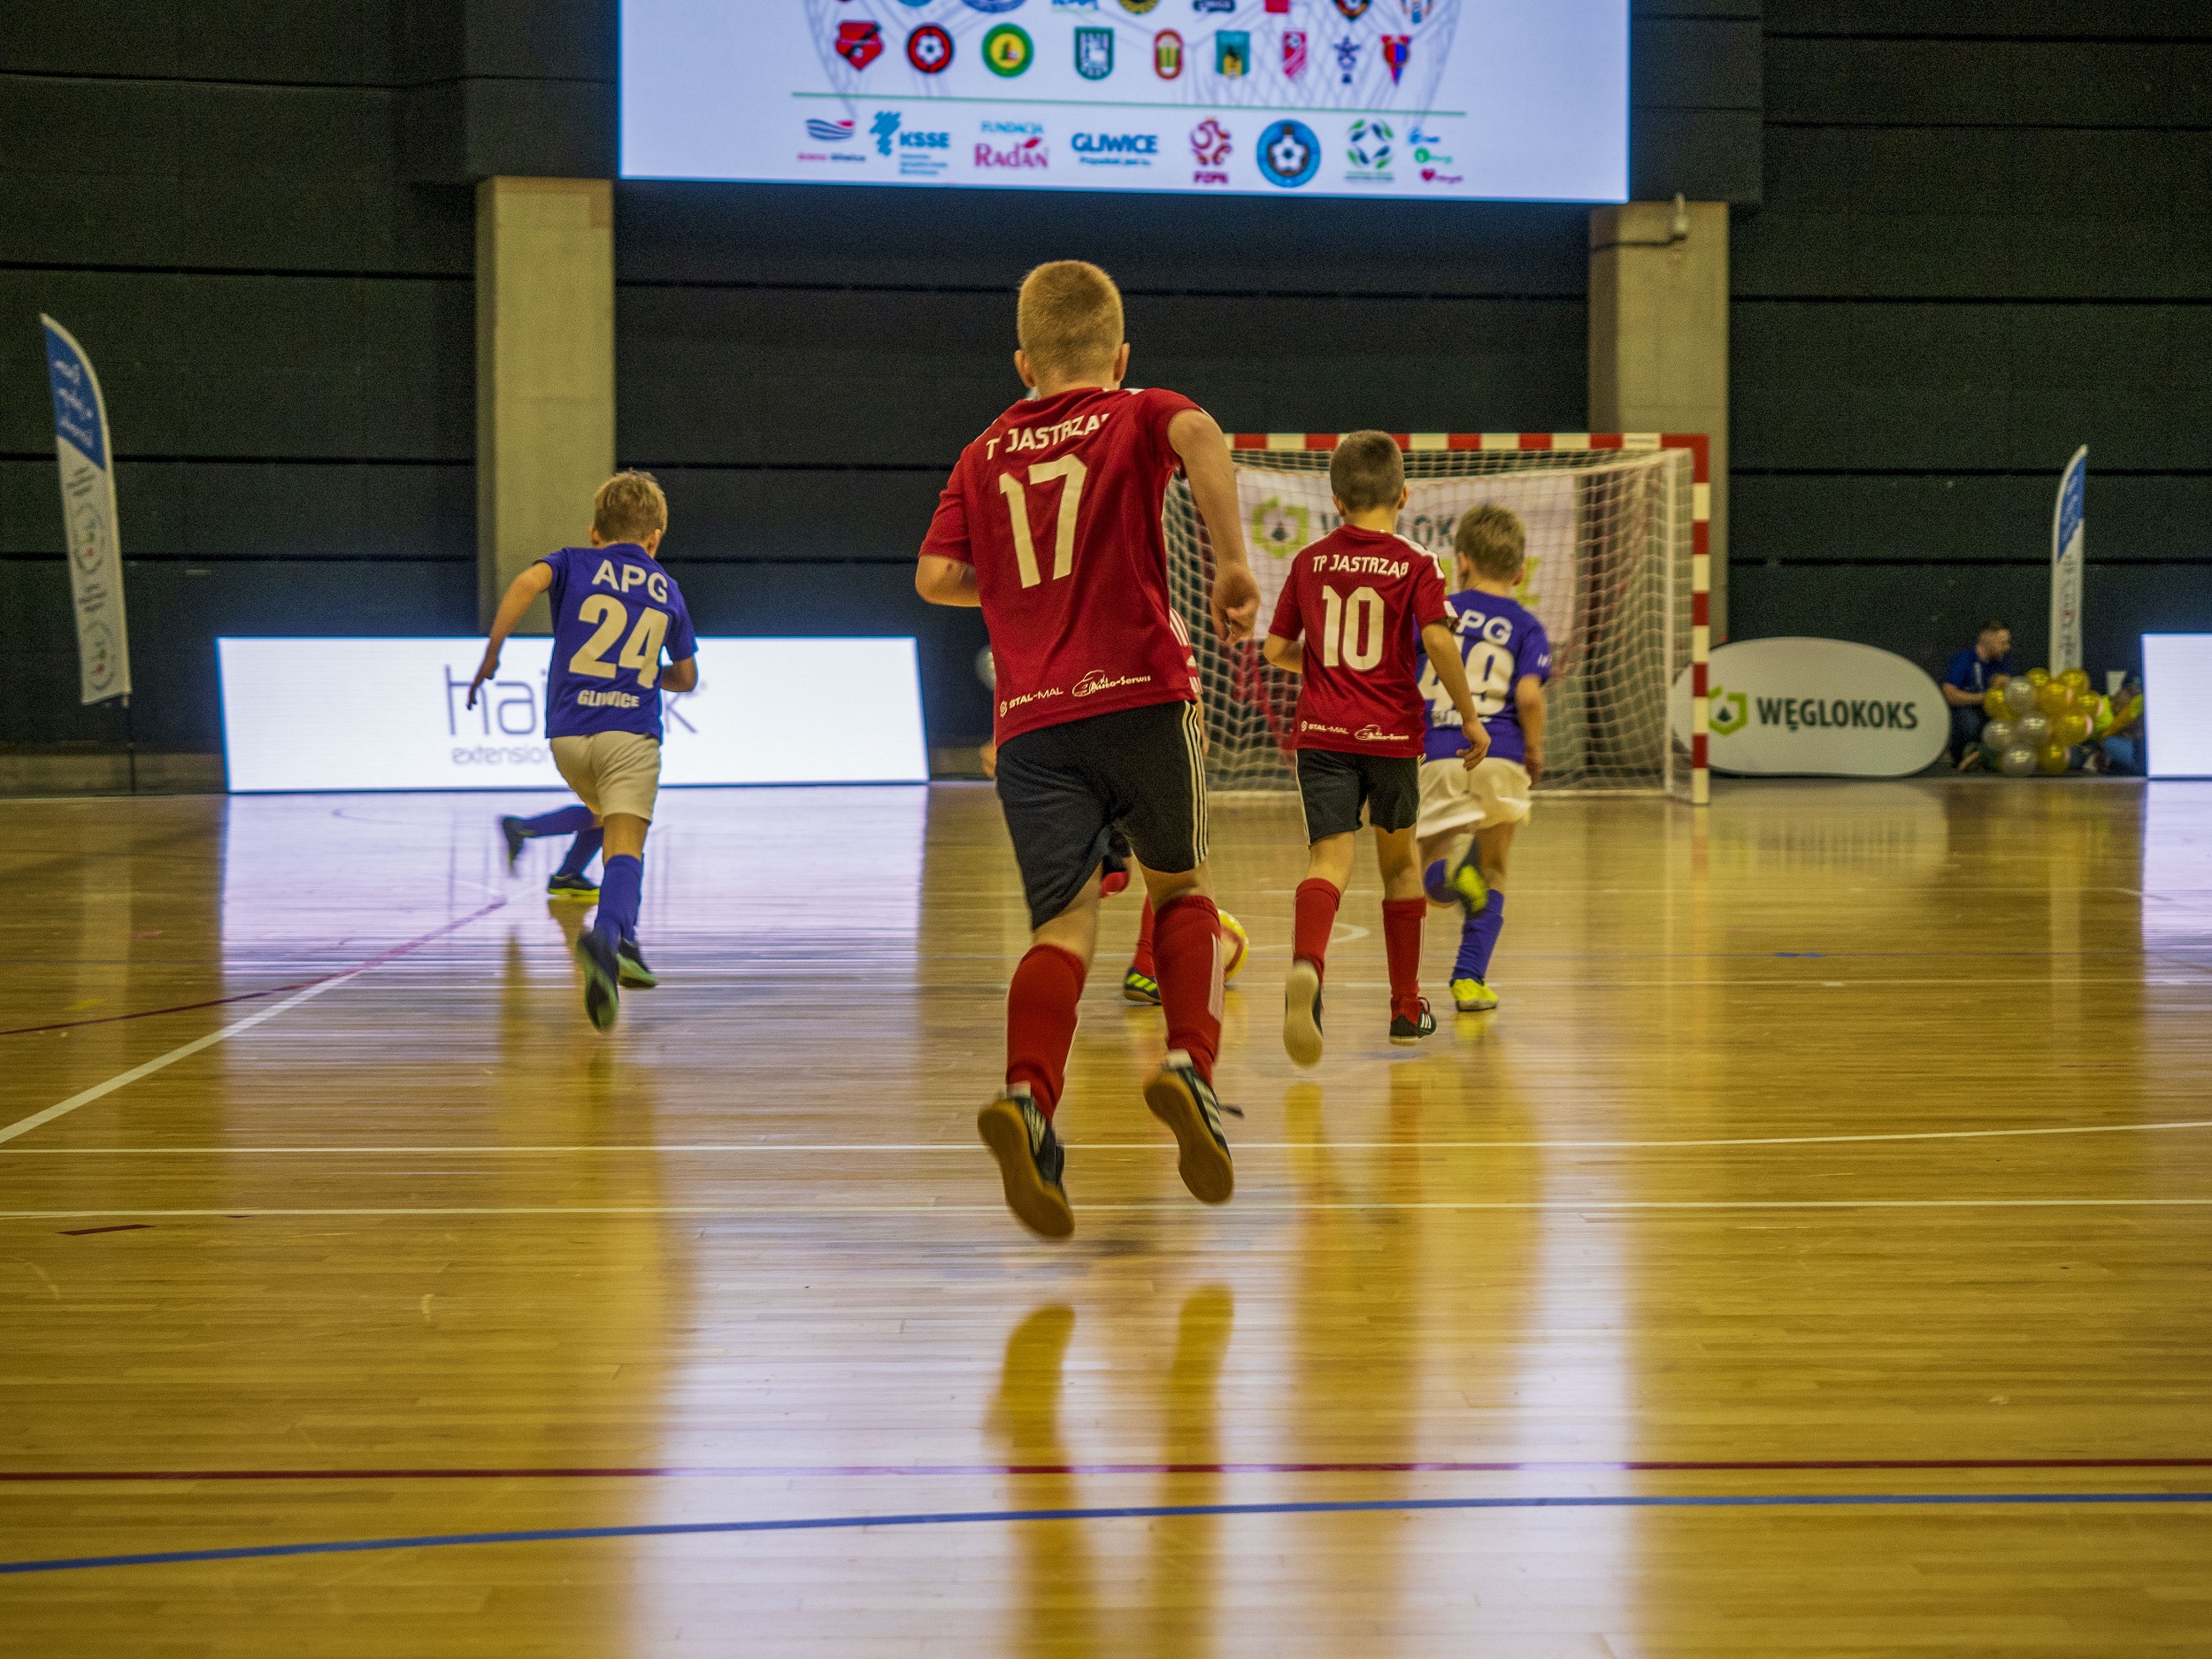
[390,714]
[1425,99]
[2177,675]
[1816,708]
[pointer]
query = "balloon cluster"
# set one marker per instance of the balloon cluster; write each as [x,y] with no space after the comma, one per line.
[2038,722]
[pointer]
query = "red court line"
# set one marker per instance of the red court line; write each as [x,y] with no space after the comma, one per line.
[275,990]
[1660,1466]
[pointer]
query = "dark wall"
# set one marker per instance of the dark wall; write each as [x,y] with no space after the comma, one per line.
[1987,237]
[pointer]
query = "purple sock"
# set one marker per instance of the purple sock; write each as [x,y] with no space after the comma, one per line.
[567,821]
[620,886]
[583,849]
[1478,937]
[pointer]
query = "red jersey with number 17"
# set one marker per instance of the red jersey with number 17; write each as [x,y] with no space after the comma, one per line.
[1057,507]
[1360,598]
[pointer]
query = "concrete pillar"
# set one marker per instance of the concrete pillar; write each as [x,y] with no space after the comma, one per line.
[1659,338]
[544,373]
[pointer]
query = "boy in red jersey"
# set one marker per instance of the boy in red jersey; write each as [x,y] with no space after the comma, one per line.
[1353,606]
[1051,524]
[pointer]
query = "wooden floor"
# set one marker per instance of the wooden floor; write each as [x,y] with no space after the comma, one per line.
[1810,1255]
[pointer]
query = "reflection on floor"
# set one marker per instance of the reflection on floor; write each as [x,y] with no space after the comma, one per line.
[1845,1146]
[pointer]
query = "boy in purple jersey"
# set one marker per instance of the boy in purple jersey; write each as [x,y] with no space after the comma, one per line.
[615,610]
[1508,660]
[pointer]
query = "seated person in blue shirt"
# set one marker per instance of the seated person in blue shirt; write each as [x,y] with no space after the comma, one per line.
[1972,671]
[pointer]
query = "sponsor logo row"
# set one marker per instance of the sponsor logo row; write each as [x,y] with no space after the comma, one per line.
[1007,50]
[1289,153]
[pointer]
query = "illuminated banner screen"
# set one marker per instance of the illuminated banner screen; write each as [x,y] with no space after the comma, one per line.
[392,714]
[1451,99]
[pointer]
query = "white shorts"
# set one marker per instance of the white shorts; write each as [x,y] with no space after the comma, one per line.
[612,771]
[1454,798]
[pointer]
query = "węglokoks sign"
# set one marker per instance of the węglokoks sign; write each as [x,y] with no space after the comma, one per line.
[1820,708]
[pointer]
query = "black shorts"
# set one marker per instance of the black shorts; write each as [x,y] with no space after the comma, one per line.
[1335,787]
[1066,788]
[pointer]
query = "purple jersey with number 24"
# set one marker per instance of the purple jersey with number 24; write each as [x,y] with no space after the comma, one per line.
[1501,643]
[614,611]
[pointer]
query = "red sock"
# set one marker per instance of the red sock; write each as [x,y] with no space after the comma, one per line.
[1316,919]
[1041,1022]
[1187,944]
[1142,963]
[1402,942]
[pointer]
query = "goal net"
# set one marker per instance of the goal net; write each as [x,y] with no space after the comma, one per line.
[1610,564]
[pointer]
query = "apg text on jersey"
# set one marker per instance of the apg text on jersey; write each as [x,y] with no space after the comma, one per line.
[1502,643]
[1360,598]
[614,611]
[1056,506]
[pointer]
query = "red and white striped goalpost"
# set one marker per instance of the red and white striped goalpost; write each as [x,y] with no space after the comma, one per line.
[1701,528]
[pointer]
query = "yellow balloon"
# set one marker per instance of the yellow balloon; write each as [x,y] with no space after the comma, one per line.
[2072,728]
[2078,677]
[1993,704]
[2054,699]
[2038,676]
[2052,759]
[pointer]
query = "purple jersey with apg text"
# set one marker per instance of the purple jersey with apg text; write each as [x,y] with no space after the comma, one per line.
[614,611]
[1501,643]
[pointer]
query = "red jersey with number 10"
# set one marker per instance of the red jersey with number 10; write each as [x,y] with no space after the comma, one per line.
[1360,598]
[1057,507]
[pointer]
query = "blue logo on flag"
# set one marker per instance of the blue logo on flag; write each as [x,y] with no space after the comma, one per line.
[1290,155]
[829,132]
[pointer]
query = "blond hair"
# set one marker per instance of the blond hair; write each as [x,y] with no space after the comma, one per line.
[629,507]
[1070,319]
[1491,538]
[1366,471]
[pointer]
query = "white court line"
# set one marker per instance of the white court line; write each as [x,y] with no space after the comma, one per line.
[764,1212]
[964,1146]
[24,1125]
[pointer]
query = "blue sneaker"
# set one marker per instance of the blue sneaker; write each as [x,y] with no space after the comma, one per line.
[581,888]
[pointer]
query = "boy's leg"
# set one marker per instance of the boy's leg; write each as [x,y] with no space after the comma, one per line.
[1331,791]
[1405,908]
[582,850]
[621,771]
[1154,762]
[567,820]
[1141,983]
[1478,938]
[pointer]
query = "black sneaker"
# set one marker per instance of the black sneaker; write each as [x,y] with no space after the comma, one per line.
[1140,988]
[629,967]
[602,975]
[1302,1013]
[582,888]
[1185,1102]
[1405,1032]
[1030,1160]
[517,836]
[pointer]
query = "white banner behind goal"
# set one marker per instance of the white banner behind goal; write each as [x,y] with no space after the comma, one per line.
[1611,559]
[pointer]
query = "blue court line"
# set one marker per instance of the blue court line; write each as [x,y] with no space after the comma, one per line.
[1125,1512]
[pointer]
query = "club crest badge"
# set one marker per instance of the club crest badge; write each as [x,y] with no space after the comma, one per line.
[929,49]
[1167,55]
[1008,49]
[1094,53]
[1395,49]
[1294,53]
[1347,58]
[1352,8]
[1233,52]
[859,44]
[1417,11]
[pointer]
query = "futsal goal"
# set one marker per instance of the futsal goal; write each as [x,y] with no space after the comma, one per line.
[1616,568]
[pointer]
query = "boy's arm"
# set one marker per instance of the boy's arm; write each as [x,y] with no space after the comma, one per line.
[520,592]
[1288,655]
[1528,698]
[682,676]
[1195,437]
[944,582]
[1443,646]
